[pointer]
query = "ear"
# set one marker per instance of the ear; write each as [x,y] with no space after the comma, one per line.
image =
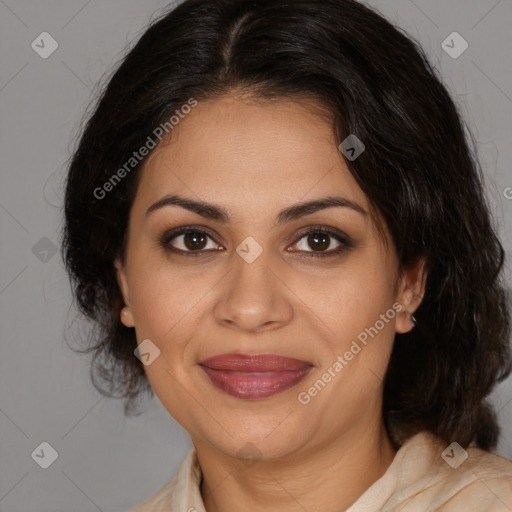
[410,294]
[122,281]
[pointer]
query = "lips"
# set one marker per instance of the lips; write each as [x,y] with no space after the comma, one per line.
[256,376]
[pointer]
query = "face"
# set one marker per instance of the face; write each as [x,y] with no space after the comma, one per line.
[244,279]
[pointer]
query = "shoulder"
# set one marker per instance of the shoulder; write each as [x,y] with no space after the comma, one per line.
[430,476]
[482,482]
[456,479]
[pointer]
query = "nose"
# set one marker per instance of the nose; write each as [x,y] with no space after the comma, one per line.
[254,297]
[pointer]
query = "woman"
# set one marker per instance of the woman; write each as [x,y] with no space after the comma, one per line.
[275,221]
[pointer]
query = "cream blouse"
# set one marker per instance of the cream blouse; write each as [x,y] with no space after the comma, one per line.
[425,476]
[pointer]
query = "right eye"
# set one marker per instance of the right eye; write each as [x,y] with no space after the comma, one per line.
[188,241]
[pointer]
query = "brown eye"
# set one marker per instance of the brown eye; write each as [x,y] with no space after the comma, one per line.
[319,241]
[194,240]
[322,242]
[187,240]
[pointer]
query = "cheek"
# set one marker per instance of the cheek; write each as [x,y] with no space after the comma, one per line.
[348,300]
[162,295]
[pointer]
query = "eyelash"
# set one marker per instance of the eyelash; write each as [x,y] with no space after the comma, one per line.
[171,235]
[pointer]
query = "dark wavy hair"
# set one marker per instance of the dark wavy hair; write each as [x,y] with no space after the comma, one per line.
[418,171]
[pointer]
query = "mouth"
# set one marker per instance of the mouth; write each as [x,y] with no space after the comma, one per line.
[254,377]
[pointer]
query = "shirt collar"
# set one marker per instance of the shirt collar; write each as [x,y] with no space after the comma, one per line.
[186,494]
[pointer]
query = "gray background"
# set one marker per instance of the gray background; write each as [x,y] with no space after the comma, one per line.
[105,461]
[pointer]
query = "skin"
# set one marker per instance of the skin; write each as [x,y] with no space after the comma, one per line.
[255,159]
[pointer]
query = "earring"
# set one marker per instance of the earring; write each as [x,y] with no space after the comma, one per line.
[124,311]
[412,318]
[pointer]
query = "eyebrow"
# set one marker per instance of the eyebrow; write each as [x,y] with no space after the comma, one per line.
[215,212]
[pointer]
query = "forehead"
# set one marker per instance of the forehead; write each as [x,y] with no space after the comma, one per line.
[249,155]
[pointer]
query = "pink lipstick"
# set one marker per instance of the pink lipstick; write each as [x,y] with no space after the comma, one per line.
[253,377]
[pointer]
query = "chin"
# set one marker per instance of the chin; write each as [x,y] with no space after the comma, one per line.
[265,440]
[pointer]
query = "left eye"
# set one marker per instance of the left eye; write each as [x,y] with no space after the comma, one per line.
[321,242]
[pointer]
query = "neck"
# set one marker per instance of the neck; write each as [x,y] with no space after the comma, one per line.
[330,477]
